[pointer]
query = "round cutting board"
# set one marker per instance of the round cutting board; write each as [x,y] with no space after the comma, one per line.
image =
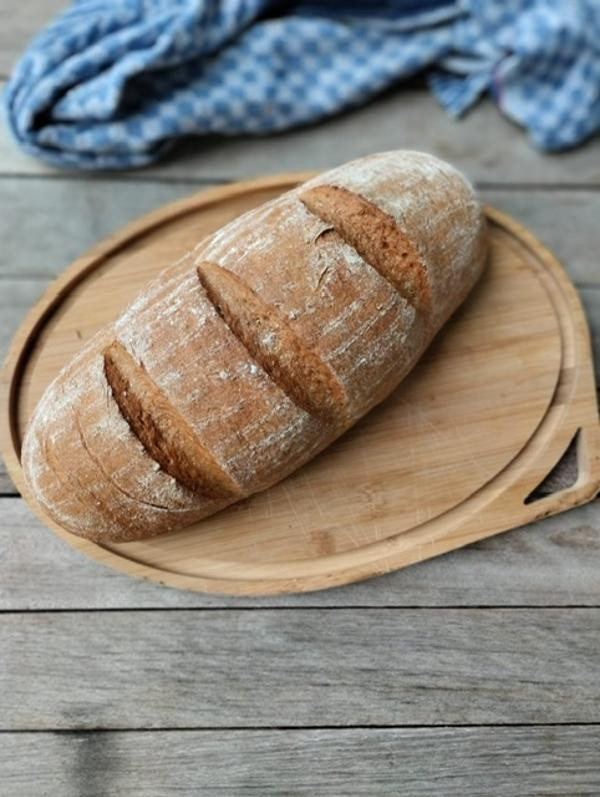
[449,458]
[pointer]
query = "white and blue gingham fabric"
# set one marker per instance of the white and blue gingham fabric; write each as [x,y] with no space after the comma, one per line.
[111,84]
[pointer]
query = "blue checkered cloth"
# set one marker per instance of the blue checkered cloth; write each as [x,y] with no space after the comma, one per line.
[111,84]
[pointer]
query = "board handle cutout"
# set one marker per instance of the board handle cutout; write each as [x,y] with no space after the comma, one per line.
[564,475]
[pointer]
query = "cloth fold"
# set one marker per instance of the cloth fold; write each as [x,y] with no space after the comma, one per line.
[111,84]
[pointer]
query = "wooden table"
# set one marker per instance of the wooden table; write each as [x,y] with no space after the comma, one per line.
[475,673]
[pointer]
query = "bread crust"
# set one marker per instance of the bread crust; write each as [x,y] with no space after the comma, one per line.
[260,347]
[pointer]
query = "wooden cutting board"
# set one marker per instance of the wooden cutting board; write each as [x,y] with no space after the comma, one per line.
[450,458]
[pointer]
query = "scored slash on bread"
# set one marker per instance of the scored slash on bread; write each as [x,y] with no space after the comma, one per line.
[161,429]
[297,369]
[375,236]
[244,360]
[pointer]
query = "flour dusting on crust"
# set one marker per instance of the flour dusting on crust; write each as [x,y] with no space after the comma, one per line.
[90,471]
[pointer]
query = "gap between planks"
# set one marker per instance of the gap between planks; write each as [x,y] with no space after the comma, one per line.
[202,182]
[272,607]
[294,728]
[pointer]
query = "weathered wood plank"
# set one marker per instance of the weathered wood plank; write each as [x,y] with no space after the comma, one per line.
[564,221]
[555,562]
[7,488]
[415,762]
[261,668]
[591,301]
[48,223]
[484,144]
[20,24]
[17,297]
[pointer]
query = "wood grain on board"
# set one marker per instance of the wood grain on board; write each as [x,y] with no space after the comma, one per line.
[416,762]
[340,518]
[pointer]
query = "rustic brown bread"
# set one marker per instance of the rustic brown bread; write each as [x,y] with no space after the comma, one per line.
[257,349]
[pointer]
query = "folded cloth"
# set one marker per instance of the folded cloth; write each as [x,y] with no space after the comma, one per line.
[111,84]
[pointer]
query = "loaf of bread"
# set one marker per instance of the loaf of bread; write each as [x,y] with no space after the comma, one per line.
[252,353]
